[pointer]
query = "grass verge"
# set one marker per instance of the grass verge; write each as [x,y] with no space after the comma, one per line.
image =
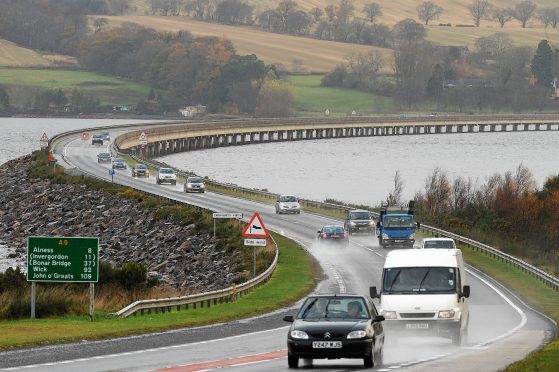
[294,277]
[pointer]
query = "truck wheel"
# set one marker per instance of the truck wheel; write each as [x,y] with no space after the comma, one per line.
[369,360]
[380,243]
[457,337]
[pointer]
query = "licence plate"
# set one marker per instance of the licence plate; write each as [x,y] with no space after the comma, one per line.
[327,344]
[417,326]
[335,236]
[398,241]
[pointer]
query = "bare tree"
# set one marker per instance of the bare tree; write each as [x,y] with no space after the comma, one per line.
[438,193]
[373,11]
[524,11]
[463,190]
[345,11]
[197,8]
[285,8]
[395,196]
[316,13]
[427,11]
[98,23]
[331,11]
[549,16]
[119,6]
[479,9]
[409,31]
[502,15]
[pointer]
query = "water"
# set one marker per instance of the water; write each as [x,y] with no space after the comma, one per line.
[361,170]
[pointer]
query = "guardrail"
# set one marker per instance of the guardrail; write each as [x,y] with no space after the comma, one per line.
[207,298]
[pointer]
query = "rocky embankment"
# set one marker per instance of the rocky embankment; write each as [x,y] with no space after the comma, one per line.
[179,256]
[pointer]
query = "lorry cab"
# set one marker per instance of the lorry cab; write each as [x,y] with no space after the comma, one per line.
[425,291]
[396,226]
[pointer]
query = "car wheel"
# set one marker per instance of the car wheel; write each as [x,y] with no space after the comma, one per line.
[379,357]
[175,183]
[292,361]
[369,360]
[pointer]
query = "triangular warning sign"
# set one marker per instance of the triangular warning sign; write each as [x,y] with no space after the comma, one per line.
[44,138]
[255,228]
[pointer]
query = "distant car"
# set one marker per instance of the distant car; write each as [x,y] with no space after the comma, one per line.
[335,234]
[336,326]
[119,163]
[287,204]
[194,184]
[105,136]
[360,221]
[96,139]
[103,157]
[441,243]
[140,170]
[166,175]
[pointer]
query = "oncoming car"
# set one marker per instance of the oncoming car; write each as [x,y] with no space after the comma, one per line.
[103,157]
[105,136]
[335,234]
[119,163]
[287,204]
[194,184]
[440,243]
[336,326]
[140,170]
[360,221]
[96,139]
[166,175]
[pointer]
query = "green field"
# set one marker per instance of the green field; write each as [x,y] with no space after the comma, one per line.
[108,89]
[312,99]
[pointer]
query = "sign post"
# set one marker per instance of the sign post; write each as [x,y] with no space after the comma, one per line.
[44,141]
[143,140]
[236,215]
[62,259]
[257,234]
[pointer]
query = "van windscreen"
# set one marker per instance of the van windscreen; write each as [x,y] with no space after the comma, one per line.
[419,280]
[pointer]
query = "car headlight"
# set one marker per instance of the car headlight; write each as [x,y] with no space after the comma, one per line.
[356,334]
[446,314]
[385,236]
[351,223]
[202,186]
[299,334]
[372,223]
[189,186]
[389,314]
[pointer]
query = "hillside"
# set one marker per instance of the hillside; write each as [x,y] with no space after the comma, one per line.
[283,50]
[13,55]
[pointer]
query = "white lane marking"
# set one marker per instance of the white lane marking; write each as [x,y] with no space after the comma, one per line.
[523,318]
[338,278]
[138,352]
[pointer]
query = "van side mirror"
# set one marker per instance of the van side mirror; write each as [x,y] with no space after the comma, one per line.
[318,231]
[466,291]
[378,224]
[288,318]
[373,292]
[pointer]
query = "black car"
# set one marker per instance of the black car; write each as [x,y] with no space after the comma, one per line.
[96,140]
[140,170]
[105,136]
[360,221]
[336,326]
[104,157]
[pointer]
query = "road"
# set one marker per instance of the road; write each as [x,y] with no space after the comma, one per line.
[502,328]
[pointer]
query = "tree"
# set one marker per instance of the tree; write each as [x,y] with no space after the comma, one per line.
[316,13]
[395,196]
[98,23]
[299,23]
[373,11]
[542,64]
[198,8]
[285,8]
[427,11]
[274,100]
[549,16]
[479,9]
[345,11]
[331,11]
[119,6]
[524,11]
[409,31]
[502,15]
[435,83]
[493,46]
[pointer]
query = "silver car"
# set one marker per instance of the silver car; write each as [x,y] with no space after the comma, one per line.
[194,184]
[287,204]
[166,175]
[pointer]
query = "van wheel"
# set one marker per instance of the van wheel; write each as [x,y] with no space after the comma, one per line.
[292,361]
[379,357]
[457,337]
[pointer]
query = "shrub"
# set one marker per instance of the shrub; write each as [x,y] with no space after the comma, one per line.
[131,275]
[12,280]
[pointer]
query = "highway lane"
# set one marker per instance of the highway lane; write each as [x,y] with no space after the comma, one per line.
[351,270]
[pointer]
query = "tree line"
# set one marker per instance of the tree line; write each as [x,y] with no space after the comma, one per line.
[449,78]
[506,209]
[182,68]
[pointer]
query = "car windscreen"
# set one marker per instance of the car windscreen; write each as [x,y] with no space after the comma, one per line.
[443,244]
[195,180]
[288,198]
[141,166]
[333,229]
[418,280]
[398,222]
[119,160]
[359,216]
[104,155]
[166,171]
[332,308]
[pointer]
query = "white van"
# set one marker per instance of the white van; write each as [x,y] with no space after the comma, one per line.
[424,291]
[440,243]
